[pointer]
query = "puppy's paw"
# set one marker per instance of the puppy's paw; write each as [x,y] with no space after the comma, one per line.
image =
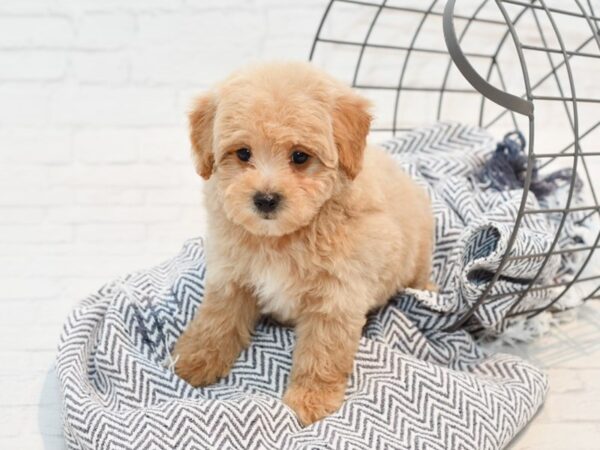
[315,402]
[431,286]
[201,367]
[196,364]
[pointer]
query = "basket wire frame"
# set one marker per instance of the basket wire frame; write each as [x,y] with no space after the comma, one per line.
[546,18]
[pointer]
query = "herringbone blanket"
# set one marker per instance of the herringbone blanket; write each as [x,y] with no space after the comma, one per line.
[414,385]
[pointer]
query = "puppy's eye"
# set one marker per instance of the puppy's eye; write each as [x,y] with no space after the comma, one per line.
[299,157]
[243,154]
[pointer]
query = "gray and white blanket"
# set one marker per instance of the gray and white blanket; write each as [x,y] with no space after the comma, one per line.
[414,385]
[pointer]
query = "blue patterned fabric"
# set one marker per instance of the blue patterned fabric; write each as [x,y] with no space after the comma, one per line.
[414,385]
[475,217]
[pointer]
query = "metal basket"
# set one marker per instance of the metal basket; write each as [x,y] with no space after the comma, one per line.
[529,65]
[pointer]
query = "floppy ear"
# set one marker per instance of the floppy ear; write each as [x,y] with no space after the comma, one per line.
[201,120]
[351,122]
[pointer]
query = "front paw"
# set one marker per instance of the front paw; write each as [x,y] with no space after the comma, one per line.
[197,365]
[201,368]
[315,402]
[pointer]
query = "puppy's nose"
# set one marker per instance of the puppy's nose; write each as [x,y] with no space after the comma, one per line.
[266,202]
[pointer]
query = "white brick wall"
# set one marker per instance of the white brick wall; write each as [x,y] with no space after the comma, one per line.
[93,139]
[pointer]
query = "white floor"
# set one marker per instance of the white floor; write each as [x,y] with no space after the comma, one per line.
[570,417]
[30,403]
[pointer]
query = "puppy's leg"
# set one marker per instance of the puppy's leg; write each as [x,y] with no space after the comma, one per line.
[422,278]
[323,359]
[213,340]
[423,282]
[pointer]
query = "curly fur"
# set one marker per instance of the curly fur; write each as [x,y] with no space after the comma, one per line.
[351,231]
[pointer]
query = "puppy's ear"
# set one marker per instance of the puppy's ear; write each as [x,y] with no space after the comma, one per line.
[201,120]
[351,122]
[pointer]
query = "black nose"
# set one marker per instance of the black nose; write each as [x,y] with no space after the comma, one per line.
[266,202]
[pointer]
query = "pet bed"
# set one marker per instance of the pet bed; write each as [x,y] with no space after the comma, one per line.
[415,385]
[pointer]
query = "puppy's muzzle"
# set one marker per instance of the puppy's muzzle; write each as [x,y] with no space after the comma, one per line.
[266,202]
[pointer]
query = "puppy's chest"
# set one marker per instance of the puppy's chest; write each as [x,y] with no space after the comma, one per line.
[276,286]
[276,293]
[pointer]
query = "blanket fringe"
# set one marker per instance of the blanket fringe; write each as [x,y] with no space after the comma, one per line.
[507,169]
[523,330]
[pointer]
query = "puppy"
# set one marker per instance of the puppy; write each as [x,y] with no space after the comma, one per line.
[305,223]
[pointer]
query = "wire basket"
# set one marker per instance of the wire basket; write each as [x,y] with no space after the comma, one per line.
[532,66]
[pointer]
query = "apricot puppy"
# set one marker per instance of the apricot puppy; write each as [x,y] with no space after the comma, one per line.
[305,223]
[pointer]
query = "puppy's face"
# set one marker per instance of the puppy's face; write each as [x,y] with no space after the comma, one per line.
[279,141]
[273,175]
